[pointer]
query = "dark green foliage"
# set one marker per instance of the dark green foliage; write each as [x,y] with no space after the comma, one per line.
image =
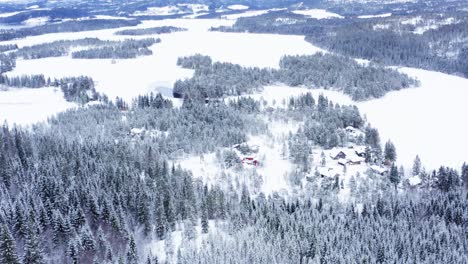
[8,253]
[68,26]
[447,179]
[464,175]
[390,152]
[33,253]
[7,62]
[394,175]
[152,101]
[336,72]
[8,47]
[149,31]
[127,49]
[28,81]
[218,79]
[78,89]
[194,62]
[397,44]
[132,254]
[314,71]
[384,231]
[57,48]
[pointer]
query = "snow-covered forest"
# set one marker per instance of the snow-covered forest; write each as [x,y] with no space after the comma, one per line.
[248,131]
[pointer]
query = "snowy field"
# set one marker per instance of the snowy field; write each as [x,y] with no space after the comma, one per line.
[27,106]
[375,16]
[428,120]
[317,13]
[160,71]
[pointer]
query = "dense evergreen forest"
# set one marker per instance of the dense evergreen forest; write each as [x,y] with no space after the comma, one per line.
[96,49]
[389,41]
[67,26]
[82,190]
[149,31]
[127,49]
[314,71]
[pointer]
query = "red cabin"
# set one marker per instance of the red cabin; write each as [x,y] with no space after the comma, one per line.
[250,161]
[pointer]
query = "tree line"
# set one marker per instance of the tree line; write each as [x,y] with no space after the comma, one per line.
[149,31]
[326,71]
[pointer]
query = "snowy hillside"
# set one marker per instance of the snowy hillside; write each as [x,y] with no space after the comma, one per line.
[233,132]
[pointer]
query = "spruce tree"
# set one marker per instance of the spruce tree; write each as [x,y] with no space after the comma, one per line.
[160,219]
[464,175]
[394,175]
[416,166]
[8,247]
[204,219]
[32,250]
[390,152]
[132,254]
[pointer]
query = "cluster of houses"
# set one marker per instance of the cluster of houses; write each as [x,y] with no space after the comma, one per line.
[344,157]
[350,156]
[247,153]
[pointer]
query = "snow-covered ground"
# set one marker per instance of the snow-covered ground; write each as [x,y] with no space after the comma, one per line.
[160,70]
[161,248]
[8,14]
[172,10]
[428,120]
[317,13]
[37,21]
[375,16]
[27,106]
[238,7]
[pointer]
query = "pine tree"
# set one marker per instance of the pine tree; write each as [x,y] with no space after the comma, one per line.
[161,221]
[390,152]
[189,230]
[8,253]
[381,254]
[204,219]
[20,220]
[109,257]
[73,251]
[87,239]
[394,175]
[78,219]
[464,175]
[323,160]
[32,250]
[416,166]
[132,255]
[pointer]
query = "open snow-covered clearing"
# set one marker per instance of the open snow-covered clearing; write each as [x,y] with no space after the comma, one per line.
[269,176]
[238,7]
[27,106]
[9,14]
[317,13]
